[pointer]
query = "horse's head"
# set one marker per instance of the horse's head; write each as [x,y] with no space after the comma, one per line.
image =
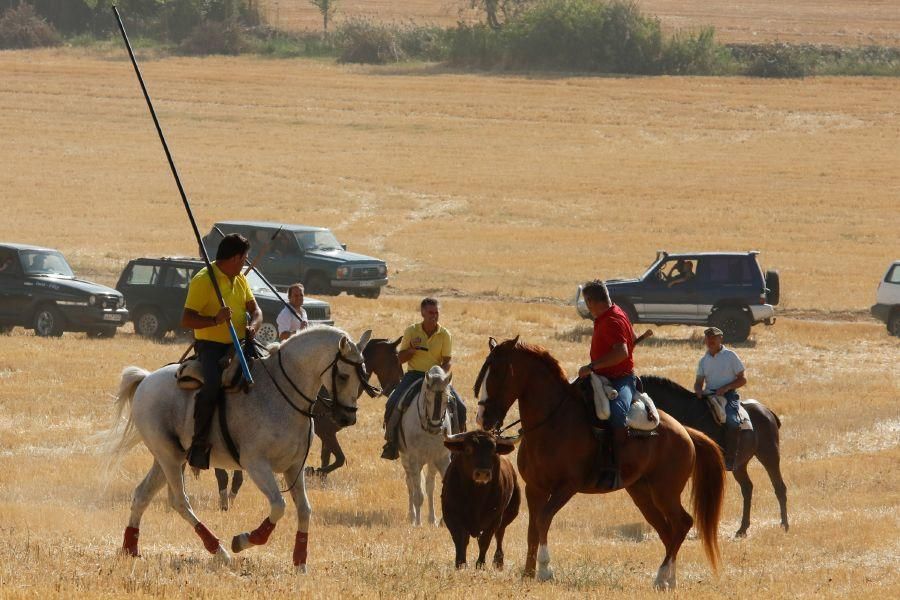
[436,394]
[383,360]
[346,379]
[476,452]
[496,386]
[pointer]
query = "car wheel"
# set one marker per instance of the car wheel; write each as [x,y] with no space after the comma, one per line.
[629,311]
[317,284]
[893,324]
[101,332]
[149,324]
[734,323]
[267,334]
[48,321]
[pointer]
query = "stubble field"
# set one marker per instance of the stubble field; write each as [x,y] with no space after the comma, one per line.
[498,194]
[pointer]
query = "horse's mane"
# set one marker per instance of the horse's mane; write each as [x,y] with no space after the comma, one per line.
[663,382]
[538,352]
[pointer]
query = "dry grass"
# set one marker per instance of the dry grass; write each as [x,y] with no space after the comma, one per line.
[802,21]
[480,188]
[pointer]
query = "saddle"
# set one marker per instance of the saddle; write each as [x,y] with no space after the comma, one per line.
[716,406]
[642,415]
[189,375]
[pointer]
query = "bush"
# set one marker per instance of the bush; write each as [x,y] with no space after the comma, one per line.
[779,60]
[21,27]
[364,41]
[424,42]
[695,54]
[214,37]
[476,46]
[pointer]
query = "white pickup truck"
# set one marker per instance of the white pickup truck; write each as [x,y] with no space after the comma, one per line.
[887,299]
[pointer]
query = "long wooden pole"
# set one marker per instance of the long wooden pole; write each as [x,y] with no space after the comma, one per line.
[187,206]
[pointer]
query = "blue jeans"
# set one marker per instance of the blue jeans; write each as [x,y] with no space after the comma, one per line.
[410,378]
[618,408]
[732,404]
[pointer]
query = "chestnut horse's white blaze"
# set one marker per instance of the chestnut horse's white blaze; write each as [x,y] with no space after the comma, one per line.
[270,426]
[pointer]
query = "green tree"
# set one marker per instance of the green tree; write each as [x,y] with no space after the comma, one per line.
[327,9]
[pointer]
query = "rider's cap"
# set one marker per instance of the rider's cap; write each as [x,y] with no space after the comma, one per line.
[713,331]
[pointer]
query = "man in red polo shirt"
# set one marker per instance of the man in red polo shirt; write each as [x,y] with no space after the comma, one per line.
[612,348]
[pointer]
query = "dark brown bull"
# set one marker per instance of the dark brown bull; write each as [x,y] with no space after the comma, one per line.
[480,497]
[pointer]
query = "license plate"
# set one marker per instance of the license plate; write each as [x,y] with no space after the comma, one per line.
[368,283]
[112,317]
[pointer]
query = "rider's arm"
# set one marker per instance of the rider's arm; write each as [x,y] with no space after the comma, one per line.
[256,316]
[191,319]
[698,385]
[405,351]
[617,354]
[739,381]
[447,364]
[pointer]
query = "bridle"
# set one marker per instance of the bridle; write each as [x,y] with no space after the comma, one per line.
[432,424]
[331,404]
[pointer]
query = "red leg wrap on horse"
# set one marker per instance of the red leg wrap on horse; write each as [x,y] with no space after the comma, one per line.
[260,535]
[210,541]
[300,548]
[130,545]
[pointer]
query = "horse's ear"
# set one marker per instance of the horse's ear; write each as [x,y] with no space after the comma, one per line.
[515,341]
[492,343]
[449,377]
[344,345]
[364,339]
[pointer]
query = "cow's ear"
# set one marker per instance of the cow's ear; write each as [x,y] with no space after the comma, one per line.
[396,342]
[505,448]
[455,445]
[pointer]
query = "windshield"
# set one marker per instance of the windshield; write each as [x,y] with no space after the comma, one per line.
[43,262]
[653,266]
[257,285]
[318,240]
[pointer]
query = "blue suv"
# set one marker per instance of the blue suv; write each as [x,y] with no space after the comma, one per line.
[727,290]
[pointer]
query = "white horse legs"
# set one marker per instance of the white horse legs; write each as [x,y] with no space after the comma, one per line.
[179,501]
[544,572]
[264,478]
[430,473]
[143,494]
[665,577]
[297,477]
[414,489]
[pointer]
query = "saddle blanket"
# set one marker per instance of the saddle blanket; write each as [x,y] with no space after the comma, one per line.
[642,414]
[717,408]
[190,374]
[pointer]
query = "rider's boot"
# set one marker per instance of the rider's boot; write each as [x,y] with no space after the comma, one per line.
[391,450]
[198,454]
[610,477]
[732,444]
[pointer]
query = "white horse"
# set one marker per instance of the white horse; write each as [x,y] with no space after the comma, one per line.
[422,431]
[270,426]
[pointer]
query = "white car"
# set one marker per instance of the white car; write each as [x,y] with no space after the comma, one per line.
[887,299]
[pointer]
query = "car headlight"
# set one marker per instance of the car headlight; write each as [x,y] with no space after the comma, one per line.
[328,313]
[343,272]
[92,300]
[120,302]
[382,269]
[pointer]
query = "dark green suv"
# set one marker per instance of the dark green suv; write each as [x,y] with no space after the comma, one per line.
[155,289]
[309,255]
[39,291]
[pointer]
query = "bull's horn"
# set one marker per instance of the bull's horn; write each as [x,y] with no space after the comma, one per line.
[455,436]
[510,440]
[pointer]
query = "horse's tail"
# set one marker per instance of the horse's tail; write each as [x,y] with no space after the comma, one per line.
[122,436]
[707,493]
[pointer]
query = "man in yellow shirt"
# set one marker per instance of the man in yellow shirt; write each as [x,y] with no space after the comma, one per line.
[209,320]
[424,345]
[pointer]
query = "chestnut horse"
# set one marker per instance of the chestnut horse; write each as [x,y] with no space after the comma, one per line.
[558,457]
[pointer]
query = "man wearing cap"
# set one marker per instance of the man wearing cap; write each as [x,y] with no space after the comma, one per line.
[209,319]
[720,373]
[424,345]
[612,348]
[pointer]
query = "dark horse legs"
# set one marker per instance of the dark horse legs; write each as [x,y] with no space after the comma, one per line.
[226,498]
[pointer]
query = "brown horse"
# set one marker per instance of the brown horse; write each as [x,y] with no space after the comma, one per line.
[558,457]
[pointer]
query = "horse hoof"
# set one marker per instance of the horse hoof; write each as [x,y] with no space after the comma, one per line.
[544,574]
[222,557]
[740,533]
[301,569]
[223,501]
[240,542]
[785,526]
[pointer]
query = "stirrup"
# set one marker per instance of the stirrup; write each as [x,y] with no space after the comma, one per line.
[198,456]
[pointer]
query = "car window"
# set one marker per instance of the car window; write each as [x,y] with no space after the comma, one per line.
[177,277]
[726,269]
[9,263]
[143,275]
[893,275]
[42,262]
[318,240]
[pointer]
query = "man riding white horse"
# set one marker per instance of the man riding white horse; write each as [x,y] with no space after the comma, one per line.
[209,320]
[424,345]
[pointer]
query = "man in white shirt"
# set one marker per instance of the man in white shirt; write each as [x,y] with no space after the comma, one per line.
[721,372]
[288,324]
